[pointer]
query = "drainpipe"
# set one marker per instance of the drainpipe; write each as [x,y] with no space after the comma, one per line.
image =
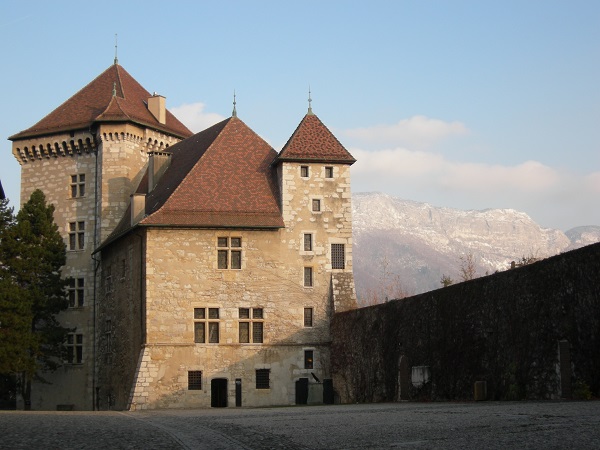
[96,267]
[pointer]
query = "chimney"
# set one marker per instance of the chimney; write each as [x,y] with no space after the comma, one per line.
[158,162]
[138,208]
[157,106]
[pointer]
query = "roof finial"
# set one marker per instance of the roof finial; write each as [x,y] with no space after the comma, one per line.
[234,113]
[116,59]
[310,112]
[114,89]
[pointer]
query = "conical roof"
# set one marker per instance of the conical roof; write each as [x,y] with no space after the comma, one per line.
[313,142]
[95,103]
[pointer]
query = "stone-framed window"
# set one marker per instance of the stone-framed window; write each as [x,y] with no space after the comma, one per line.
[308,317]
[76,235]
[76,292]
[74,348]
[251,329]
[206,326]
[229,253]
[308,242]
[309,359]
[304,172]
[194,380]
[308,277]
[316,205]
[78,185]
[338,256]
[263,378]
[328,172]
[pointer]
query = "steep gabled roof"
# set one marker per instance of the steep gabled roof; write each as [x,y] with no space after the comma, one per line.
[218,178]
[313,142]
[96,103]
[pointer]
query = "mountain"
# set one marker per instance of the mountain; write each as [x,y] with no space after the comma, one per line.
[401,247]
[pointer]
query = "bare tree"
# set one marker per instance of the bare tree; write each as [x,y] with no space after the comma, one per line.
[468,269]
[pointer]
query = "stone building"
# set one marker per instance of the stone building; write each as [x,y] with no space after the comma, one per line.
[206,268]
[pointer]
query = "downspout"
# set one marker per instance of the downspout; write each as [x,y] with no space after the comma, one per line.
[95,287]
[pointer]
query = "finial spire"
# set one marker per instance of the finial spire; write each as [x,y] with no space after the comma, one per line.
[310,112]
[116,59]
[114,89]
[234,113]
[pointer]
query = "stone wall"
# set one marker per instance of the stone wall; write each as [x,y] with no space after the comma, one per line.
[504,329]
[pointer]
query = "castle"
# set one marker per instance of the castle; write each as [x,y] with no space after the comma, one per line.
[205,268]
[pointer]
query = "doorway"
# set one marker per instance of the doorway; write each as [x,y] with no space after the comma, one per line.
[218,392]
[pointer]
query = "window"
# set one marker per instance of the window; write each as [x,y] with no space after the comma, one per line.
[308,317]
[262,378]
[328,172]
[194,380]
[229,253]
[204,324]
[304,171]
[308,359]
[308,277]
[251,329]
[308,242]
[76,292]
[316,204]
[75,348]
[76,235]
[338,260]
[78,185]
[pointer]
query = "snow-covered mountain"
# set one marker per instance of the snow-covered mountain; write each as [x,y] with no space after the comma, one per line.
[405,247]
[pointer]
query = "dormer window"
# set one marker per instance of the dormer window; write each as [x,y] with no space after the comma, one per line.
[304,171]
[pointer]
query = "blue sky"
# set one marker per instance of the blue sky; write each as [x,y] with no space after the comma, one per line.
[463,104]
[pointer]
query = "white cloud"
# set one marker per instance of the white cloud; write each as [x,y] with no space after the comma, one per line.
[554,198]
[417,131]
[194,117]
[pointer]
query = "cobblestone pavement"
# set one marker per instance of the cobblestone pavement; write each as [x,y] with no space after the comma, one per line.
[491,425]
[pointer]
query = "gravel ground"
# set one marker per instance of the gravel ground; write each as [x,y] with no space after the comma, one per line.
[491,425]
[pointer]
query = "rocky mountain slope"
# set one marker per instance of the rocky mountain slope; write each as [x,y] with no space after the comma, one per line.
[404,248]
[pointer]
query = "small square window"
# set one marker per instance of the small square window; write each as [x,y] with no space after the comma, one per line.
[308,317]
[262,378]
[308,359]
[213,313]
[316,204]
[257,313]
[328,172]
[195,380]
[222,242]
[304,171]
[308,277]
[244,313]
[236,242]
[199,313]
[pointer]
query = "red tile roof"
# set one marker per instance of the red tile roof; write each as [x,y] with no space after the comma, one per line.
[313,142]
[220,177]
[96,103]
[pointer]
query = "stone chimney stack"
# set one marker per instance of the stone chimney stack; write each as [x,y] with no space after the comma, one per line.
[158,162]
[157,106]
[138,208]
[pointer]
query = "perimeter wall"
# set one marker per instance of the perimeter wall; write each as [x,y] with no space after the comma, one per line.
[529,333]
